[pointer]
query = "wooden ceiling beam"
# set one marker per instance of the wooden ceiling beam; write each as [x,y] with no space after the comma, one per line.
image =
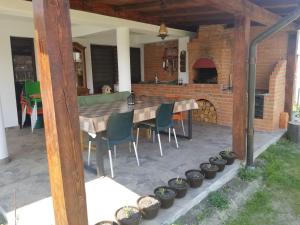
[156,5]
[188,12]
[191,18]
[96,6]
[276,3]
[194,25]
[246,8]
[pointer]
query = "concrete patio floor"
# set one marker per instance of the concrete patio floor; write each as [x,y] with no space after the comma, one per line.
[27,174]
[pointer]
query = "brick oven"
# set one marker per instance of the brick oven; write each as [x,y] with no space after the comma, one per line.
[206,72]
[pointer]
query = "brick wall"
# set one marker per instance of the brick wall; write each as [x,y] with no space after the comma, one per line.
[153,61]
[274,101]
[221,100]
[216,42]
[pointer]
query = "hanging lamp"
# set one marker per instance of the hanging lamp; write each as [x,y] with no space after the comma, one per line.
[163,30]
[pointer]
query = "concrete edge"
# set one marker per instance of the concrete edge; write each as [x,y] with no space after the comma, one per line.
[264,147]
[226,177]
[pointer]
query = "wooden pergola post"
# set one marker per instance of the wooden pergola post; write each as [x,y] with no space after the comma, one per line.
[58,90]
[239,81]
[290,73]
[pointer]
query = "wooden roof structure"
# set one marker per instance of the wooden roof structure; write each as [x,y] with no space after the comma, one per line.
[54,53]
[189,14]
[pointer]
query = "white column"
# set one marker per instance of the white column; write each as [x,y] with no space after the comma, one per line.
[3,146]
[123,46]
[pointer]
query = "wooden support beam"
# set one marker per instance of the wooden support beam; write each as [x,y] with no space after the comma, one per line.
[290,72]
[240,59]
[54,42]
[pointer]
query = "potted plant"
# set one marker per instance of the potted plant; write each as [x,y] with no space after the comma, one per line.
[180,186]
[148,206]
[165,195]
[105,223]
[228,155]
[3,219]
[293,131]
[218,161]
[194,178]
[209,170]
[128,215]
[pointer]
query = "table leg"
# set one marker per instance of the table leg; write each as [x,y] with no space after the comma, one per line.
[99,157]
[190,124]
[190,128]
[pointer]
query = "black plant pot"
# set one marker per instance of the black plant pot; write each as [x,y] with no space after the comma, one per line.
[179,185]
[106,223]
[194,178]
[218,162]
[209,170]
[293,131]
[125,218]
[228,156]
[148,206]
[166,198]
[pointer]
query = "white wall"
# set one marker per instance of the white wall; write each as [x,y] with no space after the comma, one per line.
[182,46]
[104,38]
[9,27]
[20,27]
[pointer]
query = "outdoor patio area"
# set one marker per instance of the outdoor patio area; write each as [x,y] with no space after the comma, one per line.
[27,174]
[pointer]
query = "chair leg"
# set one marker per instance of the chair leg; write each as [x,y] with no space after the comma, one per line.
[182,124]
[175,137]
[153,136]
[159,143]
[169,135]
[129,146]
[115,151]
[111,164]
[137,136]
[136,153]
[89,153]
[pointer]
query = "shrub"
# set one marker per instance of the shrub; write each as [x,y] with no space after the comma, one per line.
[218,200]
[248,174]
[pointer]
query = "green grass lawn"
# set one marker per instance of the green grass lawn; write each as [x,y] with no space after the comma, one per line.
[278,201]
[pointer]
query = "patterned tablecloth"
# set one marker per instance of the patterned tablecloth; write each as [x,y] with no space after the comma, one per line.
[93,118]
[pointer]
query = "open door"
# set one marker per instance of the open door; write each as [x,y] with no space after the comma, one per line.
[24,67]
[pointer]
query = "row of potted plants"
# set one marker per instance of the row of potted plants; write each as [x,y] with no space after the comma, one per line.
[164,196]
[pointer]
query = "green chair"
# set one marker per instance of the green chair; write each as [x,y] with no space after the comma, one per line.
[119,130]
[163,120]
[31,102]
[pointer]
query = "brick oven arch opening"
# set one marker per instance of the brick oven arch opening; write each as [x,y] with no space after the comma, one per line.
[205,71]
[206,113]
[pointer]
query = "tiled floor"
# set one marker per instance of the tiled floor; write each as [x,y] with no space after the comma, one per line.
[27,174]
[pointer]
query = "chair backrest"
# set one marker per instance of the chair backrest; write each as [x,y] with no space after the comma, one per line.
[102,98]
[164,115]
[119,126]
[31,88]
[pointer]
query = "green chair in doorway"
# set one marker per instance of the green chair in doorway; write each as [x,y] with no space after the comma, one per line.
[119,130]
[163,120]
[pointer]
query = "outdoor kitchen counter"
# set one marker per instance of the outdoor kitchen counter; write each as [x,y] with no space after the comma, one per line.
[185,90]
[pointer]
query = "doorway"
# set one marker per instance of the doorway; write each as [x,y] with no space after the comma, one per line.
[24,67]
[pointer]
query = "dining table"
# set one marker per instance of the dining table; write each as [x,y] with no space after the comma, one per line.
[93,119]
